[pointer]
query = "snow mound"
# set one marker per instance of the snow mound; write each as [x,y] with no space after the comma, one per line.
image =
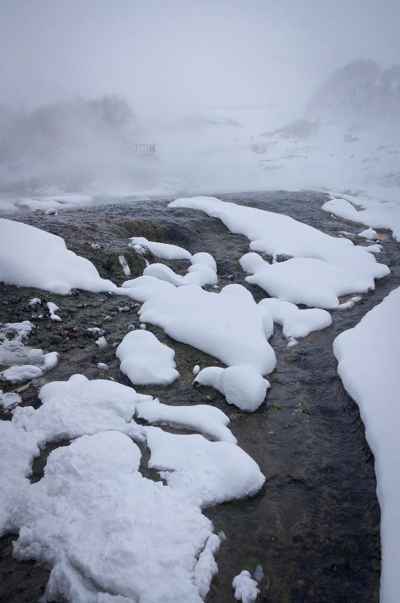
[371,212]
[296,323]
[245,587]
[145,360]
[143,540]
[203,271]
[228,325]
[30,257]
[145,287]
[207,472]
[203,418]
[80,407]
[368,357]
[160,250]
[341,267]
[241,386]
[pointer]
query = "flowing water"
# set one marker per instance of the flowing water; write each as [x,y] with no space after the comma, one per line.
[314,526]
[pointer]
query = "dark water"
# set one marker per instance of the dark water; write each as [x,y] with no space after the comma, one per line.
[314,527]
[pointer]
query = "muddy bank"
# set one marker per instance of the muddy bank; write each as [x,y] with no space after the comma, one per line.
[314,527]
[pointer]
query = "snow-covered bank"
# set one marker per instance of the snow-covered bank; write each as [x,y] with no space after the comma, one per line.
[30,257]
[369,366]
[320,268]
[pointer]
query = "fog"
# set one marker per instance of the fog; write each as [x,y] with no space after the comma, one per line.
[203,81]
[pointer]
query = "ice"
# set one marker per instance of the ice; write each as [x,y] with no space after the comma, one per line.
[23,362]
[207,472]
[30,257]
[52,307]
[369,366]
[145,360]
[80,407]
[228,325]
[321,269]
[206,419]
[161,250]
[245,587]
[295,323]
[142,540]
[55,202]
[241,386]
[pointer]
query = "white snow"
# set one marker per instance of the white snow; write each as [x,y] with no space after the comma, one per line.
[296,323]
[23,362]
[9,401]
[30,257]
[101,342]
[145,360]
[245,587]
[206,419]
[228,325]
[321,269]
[203,271]
[241,385]
[142,540]
[52,307]
[207,472]
[80,407]
[369,366]
[145,287]
[124,265]
[371,212]
[369,234]
[161,250]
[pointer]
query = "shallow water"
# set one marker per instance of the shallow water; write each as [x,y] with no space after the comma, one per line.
[314,527]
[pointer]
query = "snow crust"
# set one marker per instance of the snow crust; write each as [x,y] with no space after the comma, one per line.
[207,472]
[145,360]
[203,418]
[164,251]
[321,267]
[295,323]
[31,257]
[369,366]
[245,587]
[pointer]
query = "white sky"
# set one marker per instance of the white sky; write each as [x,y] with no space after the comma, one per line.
[215,53]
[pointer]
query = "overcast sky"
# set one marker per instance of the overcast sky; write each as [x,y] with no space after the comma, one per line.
[219,52]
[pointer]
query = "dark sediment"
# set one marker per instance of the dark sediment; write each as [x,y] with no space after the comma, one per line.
[314,527]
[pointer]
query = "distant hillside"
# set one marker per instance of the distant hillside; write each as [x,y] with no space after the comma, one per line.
[359,94]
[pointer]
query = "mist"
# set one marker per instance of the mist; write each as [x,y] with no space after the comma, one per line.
[214,86]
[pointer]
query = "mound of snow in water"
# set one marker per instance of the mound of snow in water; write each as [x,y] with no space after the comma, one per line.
[30,257]
[145,287]
[145,360]
[369,366]
[228,325]
[203,418]
[322,268]
[241,386]
[203,271]
[245,587]
[371,212]
[164,251]
[142,540]
[207,472]
[296,323]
